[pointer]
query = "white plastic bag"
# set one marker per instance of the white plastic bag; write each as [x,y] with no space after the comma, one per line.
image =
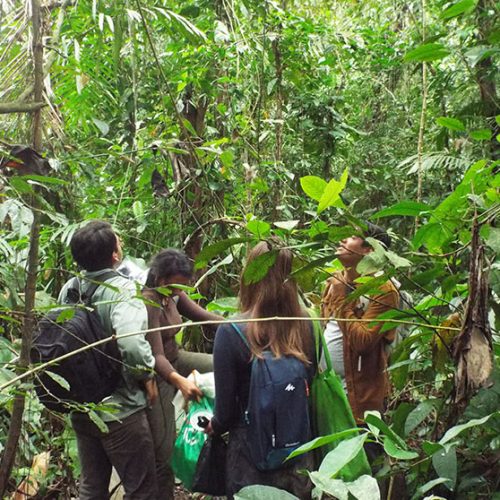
[206,383]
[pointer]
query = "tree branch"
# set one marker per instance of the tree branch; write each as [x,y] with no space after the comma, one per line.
[20,107]
[189,324]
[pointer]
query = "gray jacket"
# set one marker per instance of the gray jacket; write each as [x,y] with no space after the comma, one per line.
[122,311]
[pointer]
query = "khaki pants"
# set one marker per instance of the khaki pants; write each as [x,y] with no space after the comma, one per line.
[162,418]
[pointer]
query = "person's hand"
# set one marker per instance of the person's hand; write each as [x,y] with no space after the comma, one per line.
[208,429]
[151,391]
[188,388]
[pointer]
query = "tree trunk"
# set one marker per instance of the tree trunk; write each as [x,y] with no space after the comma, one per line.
[15,426]
[485,75]
[473,346]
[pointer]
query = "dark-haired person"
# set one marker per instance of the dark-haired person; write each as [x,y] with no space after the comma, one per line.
[357,348]
[274,295]
[128,444]
[168,268]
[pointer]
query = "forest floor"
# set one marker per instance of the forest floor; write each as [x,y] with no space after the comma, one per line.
[180,493]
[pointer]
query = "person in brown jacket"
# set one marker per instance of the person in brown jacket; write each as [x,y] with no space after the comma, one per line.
[358,348]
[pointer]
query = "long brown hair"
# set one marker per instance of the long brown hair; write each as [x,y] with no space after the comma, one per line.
[275,295]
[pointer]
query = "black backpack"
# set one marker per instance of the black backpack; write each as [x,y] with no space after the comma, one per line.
[92,374]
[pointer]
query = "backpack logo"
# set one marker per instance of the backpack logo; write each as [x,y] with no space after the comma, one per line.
[290,387]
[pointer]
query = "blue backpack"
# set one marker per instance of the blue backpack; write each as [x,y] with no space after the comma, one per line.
[277,415]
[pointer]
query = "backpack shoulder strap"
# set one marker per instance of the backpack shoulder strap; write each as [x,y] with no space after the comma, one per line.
[87,296]
[241,334]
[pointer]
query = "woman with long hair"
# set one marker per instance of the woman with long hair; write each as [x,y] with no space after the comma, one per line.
[274,295]
[169,268]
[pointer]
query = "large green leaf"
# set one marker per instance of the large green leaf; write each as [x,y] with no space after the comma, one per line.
[493,238]
[396,260]
[433,235]
[428,486]
[393,450]
[259,228]
[445,464]
[211,251]
[340,456]
[229,304]
[407,207]
[313,186]
[483,134]
[98,421]
[6,376]
[429,447]
[331,194]
[373,261]
[20,217]
[288,225]
[321,441]
[58,379]
[261,492]
[258,267]
[479,53]
[418,415]
[427,52]
[458,8]
[334,487]
[450,123]
[369,286]
[455,431]
[45,179]
[372,419]
[364,488]
[300,271]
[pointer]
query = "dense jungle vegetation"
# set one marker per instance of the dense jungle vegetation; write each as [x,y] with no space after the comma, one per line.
[208,125]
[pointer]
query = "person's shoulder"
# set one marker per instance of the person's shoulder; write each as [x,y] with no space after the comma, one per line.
[227,329]
[335,276]
[388,287]
[119,287]
[150,294]
[231,333]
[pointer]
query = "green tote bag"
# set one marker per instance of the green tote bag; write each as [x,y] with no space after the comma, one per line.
[331,412]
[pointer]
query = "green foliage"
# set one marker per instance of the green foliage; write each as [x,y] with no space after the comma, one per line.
[427,52]
[258,267]
[210,135]
[451,123]
[259,492]
[458,8]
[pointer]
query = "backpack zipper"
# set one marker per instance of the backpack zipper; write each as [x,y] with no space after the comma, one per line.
[359,363]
